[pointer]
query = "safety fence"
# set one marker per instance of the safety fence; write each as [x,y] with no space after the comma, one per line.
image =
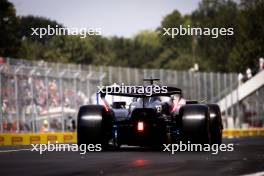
[71,137]
[45,97]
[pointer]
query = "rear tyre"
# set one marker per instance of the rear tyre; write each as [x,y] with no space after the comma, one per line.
[194,124]
[215,123]
[94,125]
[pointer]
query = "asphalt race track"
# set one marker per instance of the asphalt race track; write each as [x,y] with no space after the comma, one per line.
[247,158]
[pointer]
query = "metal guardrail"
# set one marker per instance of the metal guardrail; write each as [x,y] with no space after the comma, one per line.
[242,91]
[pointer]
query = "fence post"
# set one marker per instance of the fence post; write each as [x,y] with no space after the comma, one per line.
[218,87]
[128,76]
[191,85]
[33,115]
[16,97]
[90,68]
[144,73]
[119,75]
[62,101]
[231,93]
[205,86]
[110,76]
[88,87]
[175,78]
[238,108]
[225,88]
[161,73]
[75,88]
[211,86]
[101,70]
[47,96]
[257,106]
[1,101]
[153,73]
[198,82]
[136,75]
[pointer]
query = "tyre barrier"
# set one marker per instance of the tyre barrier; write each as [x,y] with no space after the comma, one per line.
[243,132]
[36,138]
[71,137]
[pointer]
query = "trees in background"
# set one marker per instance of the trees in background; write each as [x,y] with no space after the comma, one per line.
[213,53]
[148,49]
[249,45]
[9,39]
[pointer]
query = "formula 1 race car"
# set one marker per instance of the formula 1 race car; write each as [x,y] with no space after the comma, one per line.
[149,120]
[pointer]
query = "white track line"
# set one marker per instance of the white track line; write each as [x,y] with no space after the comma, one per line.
[18,150]
[255,174]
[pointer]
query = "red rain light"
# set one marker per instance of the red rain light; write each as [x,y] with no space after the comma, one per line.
[105,105]
[140,126]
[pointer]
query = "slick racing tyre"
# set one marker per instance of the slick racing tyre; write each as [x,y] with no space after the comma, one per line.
[195,124]
[215,124]
[94,125]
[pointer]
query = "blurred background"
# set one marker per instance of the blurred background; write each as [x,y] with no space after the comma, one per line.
[43,81]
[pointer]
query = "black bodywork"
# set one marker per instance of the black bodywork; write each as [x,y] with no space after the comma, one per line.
[148,121]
